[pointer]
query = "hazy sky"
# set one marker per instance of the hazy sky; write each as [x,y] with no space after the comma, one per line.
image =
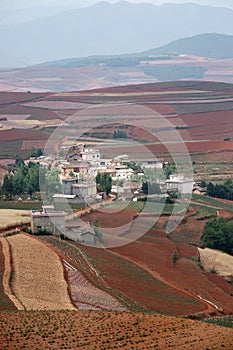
[77,3]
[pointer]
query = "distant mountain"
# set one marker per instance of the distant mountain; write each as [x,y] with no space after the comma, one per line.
[107,29]
[205,45]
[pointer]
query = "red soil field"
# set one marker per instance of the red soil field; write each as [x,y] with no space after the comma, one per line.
[184,273]
[196,147]
[36,113]
[117,219]
[14,97]
[12,135]
[89,330]
[155,251]
[213,125]
[138,284]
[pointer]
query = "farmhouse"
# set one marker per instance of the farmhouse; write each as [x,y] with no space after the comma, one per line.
[80,191]
[48,219]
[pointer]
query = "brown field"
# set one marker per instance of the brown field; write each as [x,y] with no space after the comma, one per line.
[35,113]
[38,275]
[13,135]
[11,97]
[91,330]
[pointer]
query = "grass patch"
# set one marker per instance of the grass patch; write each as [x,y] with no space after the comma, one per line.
[203,212]
[15,205]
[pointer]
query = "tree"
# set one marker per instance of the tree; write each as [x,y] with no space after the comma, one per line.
[18,161]
[145,187]
[104,183]
[8,187]
[52,182]
[203,184]
[35,153]
[169,169]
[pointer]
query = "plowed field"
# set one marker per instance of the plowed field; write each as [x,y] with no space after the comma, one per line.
[106,330]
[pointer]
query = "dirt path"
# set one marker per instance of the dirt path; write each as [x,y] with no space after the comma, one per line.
[210,307]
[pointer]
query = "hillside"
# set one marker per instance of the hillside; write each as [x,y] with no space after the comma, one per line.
[95,30]
[206,45]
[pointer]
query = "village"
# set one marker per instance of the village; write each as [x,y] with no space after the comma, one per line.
[81,170]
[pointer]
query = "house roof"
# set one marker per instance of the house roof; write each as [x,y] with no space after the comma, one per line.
[41,214]
[65,196]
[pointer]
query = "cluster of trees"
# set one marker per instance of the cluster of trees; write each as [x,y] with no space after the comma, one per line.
[224,190]
[104,183]
[24,180]
[174,72]
[218,234]
[29,179]
[35,153]
[119,134]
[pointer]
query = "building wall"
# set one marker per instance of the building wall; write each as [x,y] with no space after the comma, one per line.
[85,191]
[51,223]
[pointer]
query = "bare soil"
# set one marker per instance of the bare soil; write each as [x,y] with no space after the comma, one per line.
[105,330]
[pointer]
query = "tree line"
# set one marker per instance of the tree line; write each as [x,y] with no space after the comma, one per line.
[224,191]
[28,179]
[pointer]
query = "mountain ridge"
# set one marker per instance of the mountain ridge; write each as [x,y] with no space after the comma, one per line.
[108,29]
